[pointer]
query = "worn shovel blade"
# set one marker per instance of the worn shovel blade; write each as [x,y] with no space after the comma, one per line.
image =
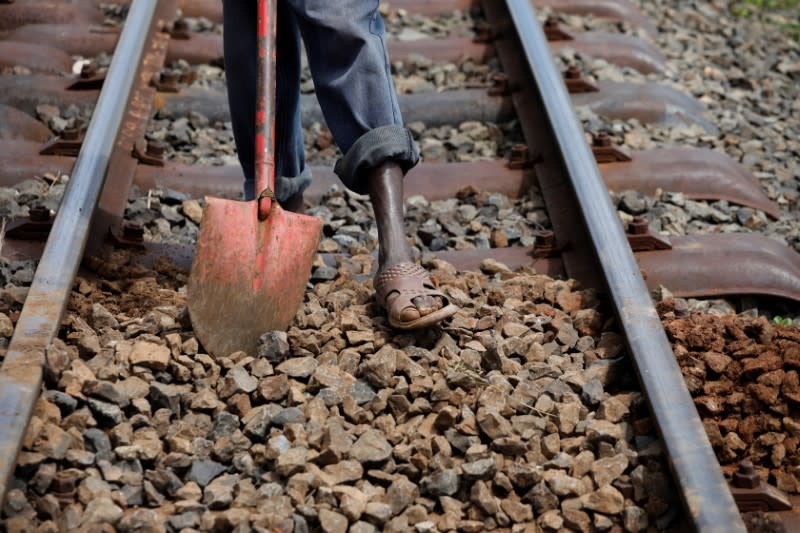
[248,276]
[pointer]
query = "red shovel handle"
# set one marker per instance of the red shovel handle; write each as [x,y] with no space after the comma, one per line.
[265,106]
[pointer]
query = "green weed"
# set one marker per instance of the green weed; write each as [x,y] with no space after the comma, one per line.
[781,321]
[763,8]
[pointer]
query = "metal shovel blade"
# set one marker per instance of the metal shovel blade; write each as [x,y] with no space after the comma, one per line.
[248,276]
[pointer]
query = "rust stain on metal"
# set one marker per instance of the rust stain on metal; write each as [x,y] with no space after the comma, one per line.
[724,264]
[19,14]
[605,151]
[74,39]
[68,144]
[611,9]
[650,103]
[37,58]
[700,174]
[642,240]
[448,49]
[617,49]
[576,83]
[25,92]
[555,32]
[122,166]
[17,125]
[210,9]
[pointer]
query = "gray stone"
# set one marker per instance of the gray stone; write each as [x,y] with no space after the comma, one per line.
[401,494]
[107,414]
[290,415]
[606,500]
[371,447]
[592,392]
[133,495]
[98,442]
[66,403]
[225,424]
[378,512]
[297,367]
[444,483]
[493,424]
[102,318]
[219,493]
[633,202]
[482,469]
[141,520]
[332,522]
[167,396]
[635,519]
[203,471]
[379,369]
[603,431]
[291,461]
[363,527]
[237,380]
[101,511]
[258,419]
[608,469]
[106,391]
[273,346]
[187,520]
[361,392]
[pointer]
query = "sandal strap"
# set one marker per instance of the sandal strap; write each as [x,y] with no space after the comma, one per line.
[409,280]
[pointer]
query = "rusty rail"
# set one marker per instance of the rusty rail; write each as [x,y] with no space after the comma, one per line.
[21,373]
[708,501]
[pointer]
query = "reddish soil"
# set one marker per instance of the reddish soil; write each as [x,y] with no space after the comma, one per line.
[743,375]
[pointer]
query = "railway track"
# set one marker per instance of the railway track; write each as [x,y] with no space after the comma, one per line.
[550,165]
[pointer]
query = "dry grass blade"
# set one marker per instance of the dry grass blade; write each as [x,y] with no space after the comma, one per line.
[2,233]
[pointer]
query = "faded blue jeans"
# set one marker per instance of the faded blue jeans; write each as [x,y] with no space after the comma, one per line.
[346,47]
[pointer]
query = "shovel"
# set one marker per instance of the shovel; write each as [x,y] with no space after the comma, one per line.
[253,259]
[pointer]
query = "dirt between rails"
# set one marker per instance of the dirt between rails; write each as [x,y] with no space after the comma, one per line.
[126,288]
[743,375]
[515,417]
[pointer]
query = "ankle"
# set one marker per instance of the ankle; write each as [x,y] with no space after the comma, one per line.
[388,256]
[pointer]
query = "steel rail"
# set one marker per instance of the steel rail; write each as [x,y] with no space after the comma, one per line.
[38,324]
[708,501]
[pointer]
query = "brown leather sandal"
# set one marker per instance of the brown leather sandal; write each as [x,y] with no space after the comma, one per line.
[408,281]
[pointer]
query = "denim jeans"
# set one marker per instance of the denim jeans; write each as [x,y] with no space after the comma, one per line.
[346,48]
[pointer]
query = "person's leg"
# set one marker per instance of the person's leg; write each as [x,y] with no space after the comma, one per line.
[241,56]
[240,50]
[292,176]
[385,186]
[346,49]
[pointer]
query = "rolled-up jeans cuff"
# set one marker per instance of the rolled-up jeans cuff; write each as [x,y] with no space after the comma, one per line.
[285,187]
[372,149]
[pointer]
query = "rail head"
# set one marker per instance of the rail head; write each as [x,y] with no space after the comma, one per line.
[38,324]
